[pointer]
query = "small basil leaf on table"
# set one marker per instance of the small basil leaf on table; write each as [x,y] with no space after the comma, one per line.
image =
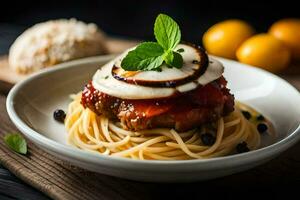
[16,142]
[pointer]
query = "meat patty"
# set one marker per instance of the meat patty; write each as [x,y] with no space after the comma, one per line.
[183,112]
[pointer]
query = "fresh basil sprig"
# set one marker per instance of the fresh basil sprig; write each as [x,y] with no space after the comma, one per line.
[151,55]
[16,142]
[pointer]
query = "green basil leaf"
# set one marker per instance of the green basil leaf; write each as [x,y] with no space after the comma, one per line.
[167,32]
[16,142]
[151,55]
[176,60]
[146,56]
[168,57]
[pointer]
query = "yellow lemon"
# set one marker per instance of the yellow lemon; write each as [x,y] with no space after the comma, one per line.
[288,31]
[265,51]
[223,38]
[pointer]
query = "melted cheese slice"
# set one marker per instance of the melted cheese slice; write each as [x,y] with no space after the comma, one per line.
[166,74]
[104,81]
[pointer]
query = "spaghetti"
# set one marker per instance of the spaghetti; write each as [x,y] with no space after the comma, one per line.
[94,133]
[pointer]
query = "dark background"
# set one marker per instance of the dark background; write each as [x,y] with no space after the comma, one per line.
[134,19]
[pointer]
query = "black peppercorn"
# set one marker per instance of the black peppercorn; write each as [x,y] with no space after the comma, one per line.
[242,147]
[246,114]
[261,127]
[208,139]
[59,115]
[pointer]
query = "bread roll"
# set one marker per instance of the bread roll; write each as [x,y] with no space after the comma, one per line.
[52,42]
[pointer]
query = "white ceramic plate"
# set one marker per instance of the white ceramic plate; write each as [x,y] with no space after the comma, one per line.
[30,105]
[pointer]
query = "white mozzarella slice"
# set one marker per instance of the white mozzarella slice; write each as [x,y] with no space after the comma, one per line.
[104,81]
[167,74]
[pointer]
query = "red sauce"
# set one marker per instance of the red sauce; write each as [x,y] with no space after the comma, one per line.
[199,103]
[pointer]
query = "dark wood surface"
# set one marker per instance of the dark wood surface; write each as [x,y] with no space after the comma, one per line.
[11,187]
[56,179]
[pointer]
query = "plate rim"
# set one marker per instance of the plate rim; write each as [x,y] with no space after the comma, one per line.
[77,154]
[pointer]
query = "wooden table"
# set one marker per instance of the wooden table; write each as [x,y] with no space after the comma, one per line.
[279,177]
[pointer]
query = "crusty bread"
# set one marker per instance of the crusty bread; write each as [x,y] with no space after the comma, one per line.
[56,41]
